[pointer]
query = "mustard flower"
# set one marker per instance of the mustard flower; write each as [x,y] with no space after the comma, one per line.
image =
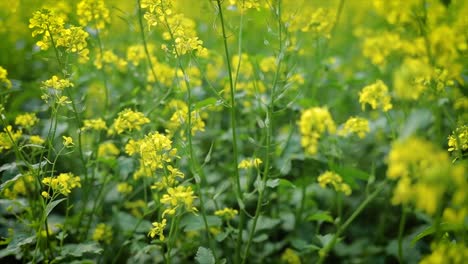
[376,95]
[154,150]
[73,39]
[4,81]
[312,124]
[335,180]
[103,233]
[290,256]
[355,125]
[177,197]
[412,79]
[158,230]
[26,120]
[425,176]
[67,141]
[227,213]
[94,124]
[63,183]
[108,149]
[446,252]
[128,120]
[46,23]
[124,188]
[93,13]
[249,163]
[56,83]
[36,139]
[8,138]
[458,141]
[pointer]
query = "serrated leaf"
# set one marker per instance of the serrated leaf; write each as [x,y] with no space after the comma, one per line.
[323,216]
[50,206]
[204,256]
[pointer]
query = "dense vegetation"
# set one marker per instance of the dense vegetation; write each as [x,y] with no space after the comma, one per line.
[235,131]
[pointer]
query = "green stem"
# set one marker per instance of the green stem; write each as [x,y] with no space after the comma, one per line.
[325,251]
[401,231]
[239,194]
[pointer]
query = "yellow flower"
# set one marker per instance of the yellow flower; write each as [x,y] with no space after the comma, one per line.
[332,178]
[158,230]
[67,141]
[356,125]
[250,163]
[227,213]
[8,138]
[290,256]
[56,83]
[102,233]
[94,124]
[129,120]
[376,95]
[27,120]
[445,252]
[108,149]
[93,13]
[4,81]
[63,183]
[459,139]
[124,188]
[178,196]
[36,139]
[313,123]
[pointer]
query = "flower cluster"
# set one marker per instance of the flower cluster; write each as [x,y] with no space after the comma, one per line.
[128,120]
[249,163]
[425,174]
[103,233]
[226,213]
[446,252]
[458,141]
[53,88]
[4,81]
[51,27]
[355,125]
[62,184]
[158,229]
[180,29]
[313,123]
[376,95]
[9,137]
[176,197]
[94,124]
[335,180]
[26,120]
[93,13]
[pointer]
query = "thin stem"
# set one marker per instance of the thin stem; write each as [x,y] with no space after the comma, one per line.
[239,194]
[401,230]
[324,252]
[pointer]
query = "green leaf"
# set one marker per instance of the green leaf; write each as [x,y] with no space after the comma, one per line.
[286,183]
[272,183]
[50,206]
[10,181]
[195,222]
[323,216]
[78,250]
[204,256]
[204,103]
[431,230]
